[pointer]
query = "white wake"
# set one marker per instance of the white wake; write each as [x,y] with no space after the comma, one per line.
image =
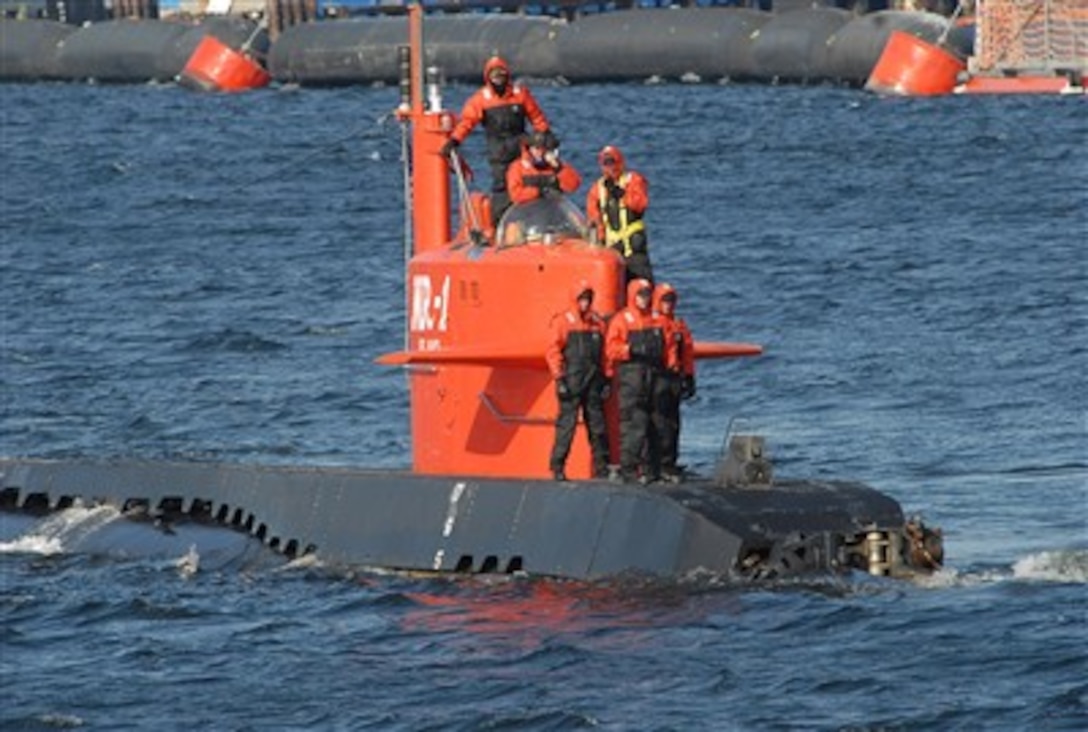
[58,531]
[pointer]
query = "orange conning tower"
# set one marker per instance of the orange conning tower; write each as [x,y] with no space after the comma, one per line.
[479,319]
[485,404]
[480,312]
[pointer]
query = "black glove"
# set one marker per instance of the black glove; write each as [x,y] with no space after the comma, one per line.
[478,238]
[614,189]
[687,387]
[449,147]
[562,388]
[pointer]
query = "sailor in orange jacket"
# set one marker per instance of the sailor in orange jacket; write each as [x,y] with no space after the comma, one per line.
[616,204]
[575,360]
[637,354]
[539,171]
[675,383]
[505,109]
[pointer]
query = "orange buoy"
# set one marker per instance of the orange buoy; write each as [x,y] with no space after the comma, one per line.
[910,66]
[215,66]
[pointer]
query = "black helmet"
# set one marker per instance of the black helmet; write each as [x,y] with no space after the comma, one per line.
[544,139]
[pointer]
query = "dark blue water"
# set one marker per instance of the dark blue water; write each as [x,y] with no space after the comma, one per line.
[209,277]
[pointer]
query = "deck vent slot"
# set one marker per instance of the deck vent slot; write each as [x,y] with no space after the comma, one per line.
[37,503]
[170,506]
[9,498]
[200,510]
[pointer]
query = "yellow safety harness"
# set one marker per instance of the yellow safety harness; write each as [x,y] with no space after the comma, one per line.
[620,237]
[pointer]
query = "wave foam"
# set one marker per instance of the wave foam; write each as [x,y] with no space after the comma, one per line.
[1054,566]
[58,531]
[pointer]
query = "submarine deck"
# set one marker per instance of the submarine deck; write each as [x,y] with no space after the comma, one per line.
[401,520]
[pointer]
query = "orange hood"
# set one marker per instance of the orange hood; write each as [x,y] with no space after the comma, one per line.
[611,151]
[659,293]
[633,288]
[495,62]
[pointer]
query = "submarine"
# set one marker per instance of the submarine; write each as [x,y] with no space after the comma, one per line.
[478,497]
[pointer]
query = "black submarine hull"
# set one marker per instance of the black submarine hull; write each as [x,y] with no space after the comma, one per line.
[404,521]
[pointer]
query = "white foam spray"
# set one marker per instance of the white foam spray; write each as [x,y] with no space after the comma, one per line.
[58,532]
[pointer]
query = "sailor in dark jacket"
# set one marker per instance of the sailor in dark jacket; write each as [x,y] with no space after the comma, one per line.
[637,354]
[505,109]
[575,361]
[673,386]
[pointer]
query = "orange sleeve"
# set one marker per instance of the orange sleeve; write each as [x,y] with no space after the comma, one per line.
[471,115]
[515,184]
[670,359]
[554,354]
[569,178]
[688,365]
[533,111]
[616,349]
[593,205]
[593,209]
[637,194]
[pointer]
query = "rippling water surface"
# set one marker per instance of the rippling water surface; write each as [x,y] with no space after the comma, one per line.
[210,277]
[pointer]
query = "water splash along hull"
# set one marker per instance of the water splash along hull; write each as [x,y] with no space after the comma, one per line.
[404,521]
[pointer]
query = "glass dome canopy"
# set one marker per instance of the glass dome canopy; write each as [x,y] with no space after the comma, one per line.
[549,220]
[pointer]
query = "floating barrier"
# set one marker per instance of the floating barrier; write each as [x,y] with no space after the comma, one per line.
[691,44]
[215,66]
[29,49]
[365,51]
[116,51]
[817,45]
[910,66]
[795,46]
[697,44]
[126,51]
